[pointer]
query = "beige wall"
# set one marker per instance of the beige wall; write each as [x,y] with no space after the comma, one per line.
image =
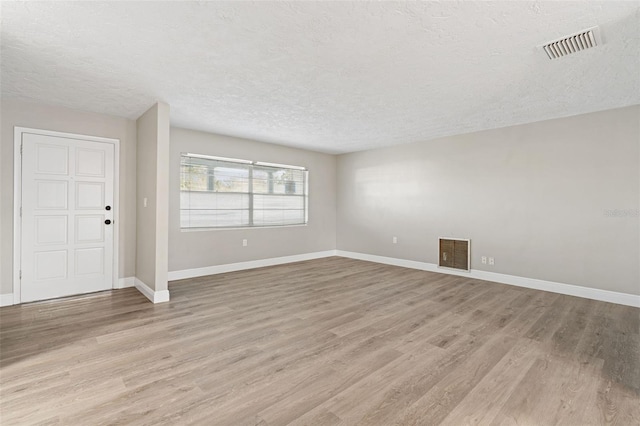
[196,249]
[162,197]
[38,116]
[153,184]
[533,196]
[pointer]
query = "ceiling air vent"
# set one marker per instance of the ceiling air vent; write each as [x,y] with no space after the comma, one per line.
[574,43]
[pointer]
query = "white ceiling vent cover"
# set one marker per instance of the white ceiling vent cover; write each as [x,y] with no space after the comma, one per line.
[585,39]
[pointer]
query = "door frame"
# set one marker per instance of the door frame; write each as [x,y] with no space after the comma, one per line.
[17,199]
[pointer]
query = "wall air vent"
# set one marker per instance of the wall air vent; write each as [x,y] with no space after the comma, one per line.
[455,253]
[574,43]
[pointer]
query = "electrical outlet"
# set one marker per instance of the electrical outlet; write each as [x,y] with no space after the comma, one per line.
[395,240]
[491,261]
[484,260]
[244,243]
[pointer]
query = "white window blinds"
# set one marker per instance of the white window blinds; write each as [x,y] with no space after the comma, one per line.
[220,192]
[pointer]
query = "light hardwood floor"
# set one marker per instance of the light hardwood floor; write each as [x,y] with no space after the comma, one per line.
[325,342]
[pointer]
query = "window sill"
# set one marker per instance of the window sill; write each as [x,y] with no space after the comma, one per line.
[243,228]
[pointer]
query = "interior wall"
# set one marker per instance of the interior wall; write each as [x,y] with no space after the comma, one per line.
[556,200]
[22,114]
[152,185]
[162,198]
[197,249]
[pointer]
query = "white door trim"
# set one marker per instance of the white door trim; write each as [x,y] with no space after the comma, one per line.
[17,200]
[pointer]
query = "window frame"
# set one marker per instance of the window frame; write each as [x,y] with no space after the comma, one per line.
[250,166]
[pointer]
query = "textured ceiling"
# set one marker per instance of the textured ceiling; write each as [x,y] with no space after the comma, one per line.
[328,76]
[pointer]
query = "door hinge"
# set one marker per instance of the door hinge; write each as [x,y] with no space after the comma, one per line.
[20,273]
[20,149]
[20,211]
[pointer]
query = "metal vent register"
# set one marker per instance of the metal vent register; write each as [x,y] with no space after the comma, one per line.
[583,40]
[454,253]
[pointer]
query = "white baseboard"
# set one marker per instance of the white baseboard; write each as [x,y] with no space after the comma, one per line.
[155,296]
[6,299]
[125,282]
[554,287]
[149,293]
[231,267]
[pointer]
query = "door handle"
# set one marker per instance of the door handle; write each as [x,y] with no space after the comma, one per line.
[107,222]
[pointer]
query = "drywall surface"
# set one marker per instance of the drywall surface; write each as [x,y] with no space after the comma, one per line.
[198,249]
[555,200]
[38,116]
[162,197]
[152,183]
[333,76]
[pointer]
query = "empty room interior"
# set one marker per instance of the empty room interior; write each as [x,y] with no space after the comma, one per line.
[320,213]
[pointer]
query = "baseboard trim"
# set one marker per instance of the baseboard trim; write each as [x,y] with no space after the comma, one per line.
[6,299]
[551,286]
[149,293]
[125,282]
[240,266]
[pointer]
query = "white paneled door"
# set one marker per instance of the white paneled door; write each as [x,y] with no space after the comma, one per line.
[67,216]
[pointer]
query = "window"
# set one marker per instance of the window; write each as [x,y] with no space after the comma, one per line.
[220,192]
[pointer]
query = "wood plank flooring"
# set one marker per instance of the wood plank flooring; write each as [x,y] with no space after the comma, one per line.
[332,341]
